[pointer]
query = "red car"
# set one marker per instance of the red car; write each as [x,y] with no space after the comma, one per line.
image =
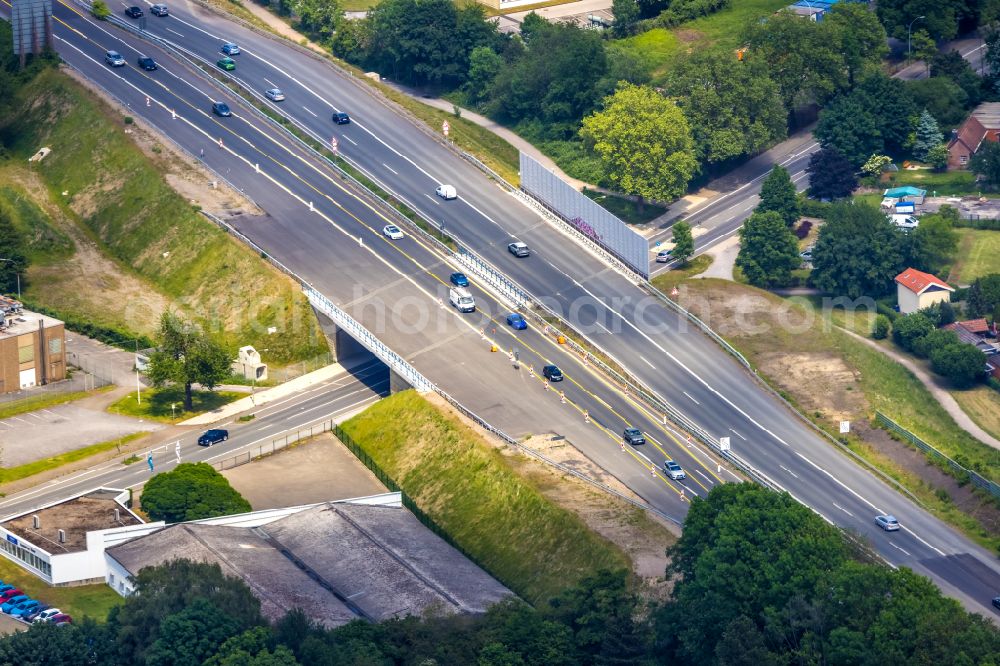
[9,593]
[61,618]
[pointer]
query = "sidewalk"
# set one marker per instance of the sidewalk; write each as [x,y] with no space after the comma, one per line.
[942,396]
[261,398]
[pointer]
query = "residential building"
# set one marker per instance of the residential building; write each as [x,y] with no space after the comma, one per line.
[982,125]
[916,290]
[32,348]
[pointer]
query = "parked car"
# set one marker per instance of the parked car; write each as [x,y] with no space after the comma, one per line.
[392,232]
[114,59]
[516,321]
[459,280]
[887,522]
[147,63]
[5,587]
[35,612]
[230,49]
[12,592]
[46,615]
[552,373]
[8,605]
[275,95]
[159,10]
[60,618]
[227,64]
[518,249]
[446,192]
[633,436]
[134,12]
[663,256]
[25,607]
[221,109]
[674,470]
[213,436]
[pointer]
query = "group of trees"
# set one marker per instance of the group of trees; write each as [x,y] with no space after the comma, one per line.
[984,297]
[13,259]
[957,361]
[769,251]
[760,579]
[191,491]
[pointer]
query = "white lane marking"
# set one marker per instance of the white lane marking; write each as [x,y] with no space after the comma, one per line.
[175,32]
[271,83]
[50,413]
[705,476]
[605,328]
[647,362]
[789,471]
[390,168]
[899,549]
[347,138]
[738,434]
[970,52]
[432,199]
[843,509]
[309,112]
[15,418]
[692,399]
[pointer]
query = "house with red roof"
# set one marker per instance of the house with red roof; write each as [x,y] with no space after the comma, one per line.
[916,290]
[982,125]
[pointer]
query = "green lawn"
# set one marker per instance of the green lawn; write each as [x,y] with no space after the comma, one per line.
[497,516]
[947,183]
[978,255]
[625,209]
[44,242]
[667,281]
[79,601]
[982,404]
[35,467]
[655,49]
[156,404]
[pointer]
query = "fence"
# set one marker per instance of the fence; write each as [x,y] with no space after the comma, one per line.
[289,372]
[100,369]
[276,444]
[78,382]
[975,479]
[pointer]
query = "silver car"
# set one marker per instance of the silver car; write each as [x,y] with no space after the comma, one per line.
[114,59]
[159,10]
[274,95]
[674,470]
[887,522]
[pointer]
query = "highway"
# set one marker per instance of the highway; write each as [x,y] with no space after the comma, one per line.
[683,366]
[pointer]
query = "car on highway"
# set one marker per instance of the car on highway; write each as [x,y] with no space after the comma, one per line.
[633,436]
[274,94]
[462,299]
[663,256]
[159,10]
[674,470]
[459,280]
[8,605]
[221,109]
[146,63]
[25,607]
[226,63]
[552,373]
[996,603]
[114,59]
[516,321]
[446,192]
[46,615]
[134,12]
[230,49]
[887,522]
[518,249]
[341,118]
[393,232]
[213,436]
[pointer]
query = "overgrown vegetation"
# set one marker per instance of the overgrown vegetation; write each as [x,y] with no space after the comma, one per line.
[191,491]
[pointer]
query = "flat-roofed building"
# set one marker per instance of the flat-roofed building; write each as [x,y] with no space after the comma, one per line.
[32,348]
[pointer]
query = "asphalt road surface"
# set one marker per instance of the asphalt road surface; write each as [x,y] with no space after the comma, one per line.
[683,366]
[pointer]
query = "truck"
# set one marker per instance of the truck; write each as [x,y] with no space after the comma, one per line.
[462,299]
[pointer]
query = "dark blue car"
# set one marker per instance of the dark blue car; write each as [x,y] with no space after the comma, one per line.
[8,606]
[459,280]
[516,321]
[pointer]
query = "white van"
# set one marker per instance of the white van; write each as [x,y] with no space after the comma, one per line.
[462,299]
[905,221]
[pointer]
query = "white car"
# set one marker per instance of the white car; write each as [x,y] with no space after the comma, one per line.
[274,94]
[674,470]
[392,231]
[45,615]
[887,522]
[446,192]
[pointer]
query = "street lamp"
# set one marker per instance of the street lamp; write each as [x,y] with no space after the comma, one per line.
[909,30]
[18,277]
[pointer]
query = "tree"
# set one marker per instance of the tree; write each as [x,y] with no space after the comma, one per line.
[928,136]
[626,14]
[880,327]
[984,296]
[923,47]
[876,165]
[945,100]
[831,176]
[906,331]
[962,364]
[191,491]
[924,346]
[319,18]
[484,65]
[733,111]
[857,252]
[859,36]
[777,194]
[81,644]
[15,262]
[191,636]
[932,245]
[644,143]
[849,128]
[986,162]
[937,157]
[683,242]
[940,17]
[187,357]
[252,648]
[768,250]
[951,65]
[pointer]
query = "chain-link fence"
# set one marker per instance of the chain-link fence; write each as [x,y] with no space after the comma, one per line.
[80,381]
[276,444]
[289,372]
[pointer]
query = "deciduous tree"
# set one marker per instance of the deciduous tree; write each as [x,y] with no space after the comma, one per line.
[13,260]
[777,194]
[769,251]
[683,242]
[191,491]
[859,36]
[831,176]
[857,252]
[984,297]
[906,331]
[318,18]
[962,364]
[644,143]
[932,245]
[942,97]
[986,162]
[940,17]
[186,356]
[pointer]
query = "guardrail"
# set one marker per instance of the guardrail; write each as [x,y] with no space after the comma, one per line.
[276,444]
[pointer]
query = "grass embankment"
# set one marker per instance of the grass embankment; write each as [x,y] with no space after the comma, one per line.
[44,401]
[831,376]
[982,404]
[156,404]
[38,466]
[79,601]
[531,545]
[667,281]
[128,228]
[978,255]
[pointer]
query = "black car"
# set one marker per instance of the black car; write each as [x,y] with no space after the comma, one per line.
[996,603]
[147,63]
[633,436]
[213,436]
[35,612]
[341,118]
[552,373]
[133,12]
[221,109]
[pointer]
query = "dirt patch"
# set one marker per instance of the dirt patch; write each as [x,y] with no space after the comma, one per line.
[823,384]
[687,36]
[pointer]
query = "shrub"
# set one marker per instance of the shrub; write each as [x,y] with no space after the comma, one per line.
[100,10]
[907,330]
[960,363]
[880,328]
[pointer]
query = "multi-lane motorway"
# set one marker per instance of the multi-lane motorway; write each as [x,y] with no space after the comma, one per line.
[336,240]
